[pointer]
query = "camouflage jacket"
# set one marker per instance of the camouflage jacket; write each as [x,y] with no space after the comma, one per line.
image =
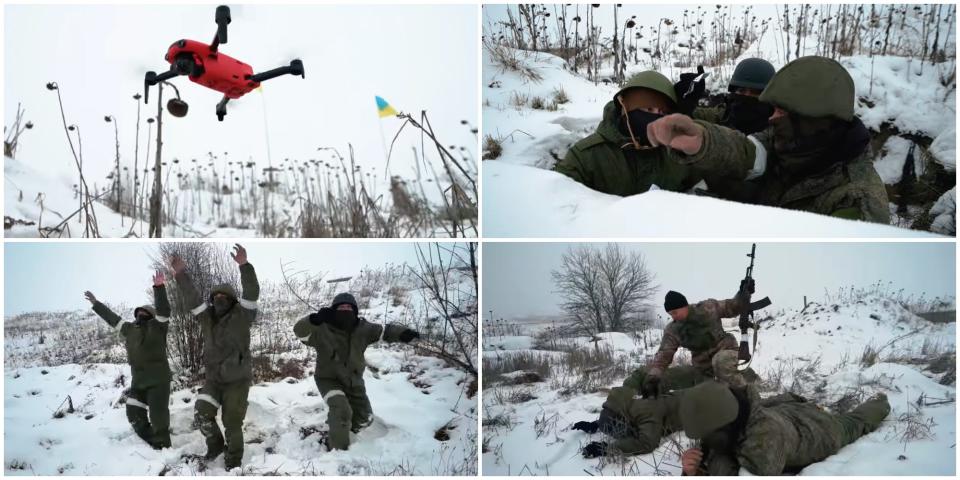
[851,189]
[647,420]
[710,114]
[226,337]
[785,433]
[146,343]
[701,332]
[606,161]
[340,354]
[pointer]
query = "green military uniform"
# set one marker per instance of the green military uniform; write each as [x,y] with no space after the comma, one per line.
[608,162]
[821,162]
[638,424]
[339,372]
[774,436]
[146,344]
[702,333]
[227,362]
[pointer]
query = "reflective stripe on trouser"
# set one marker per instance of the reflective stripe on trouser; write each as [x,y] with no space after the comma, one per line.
[347,412]
[231,398]
[153,401]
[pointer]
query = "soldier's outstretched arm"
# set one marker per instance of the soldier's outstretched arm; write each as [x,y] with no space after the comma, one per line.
[723,152]
[391,333]
[188,290]
[248,280]
[669,345]
[160,300]
[305,330]
[102,310]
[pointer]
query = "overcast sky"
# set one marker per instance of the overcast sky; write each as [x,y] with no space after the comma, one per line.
[517,282]
[416,57]
[52,276]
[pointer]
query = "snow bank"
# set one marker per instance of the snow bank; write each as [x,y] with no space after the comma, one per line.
[893,156]
[522,201]
[944,213]
[944,149]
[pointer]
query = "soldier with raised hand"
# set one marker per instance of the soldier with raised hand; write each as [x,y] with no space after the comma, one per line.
[225,320]
[145,339]
[814,158]
[773,436]
[696,327]
[618,159]
[340,337]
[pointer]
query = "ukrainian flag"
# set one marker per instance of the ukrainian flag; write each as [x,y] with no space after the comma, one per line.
[385,109]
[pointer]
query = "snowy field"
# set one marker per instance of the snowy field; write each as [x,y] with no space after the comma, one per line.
[816,352]
[65,375]
[523,197]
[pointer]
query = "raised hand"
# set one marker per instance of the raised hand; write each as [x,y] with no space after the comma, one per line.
[239,254]
[676,131]
[690,461]
[89,296]
[177,264]
[158,279]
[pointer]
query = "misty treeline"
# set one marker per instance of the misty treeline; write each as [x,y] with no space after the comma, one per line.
[714,36]
[326,194]
[605,289]
[437,297]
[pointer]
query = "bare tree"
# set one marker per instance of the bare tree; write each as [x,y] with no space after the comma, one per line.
[604,289]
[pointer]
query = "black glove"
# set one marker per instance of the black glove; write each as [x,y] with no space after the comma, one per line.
[407,335]
[595,449]
[689,92]
[650,387]
[588,427]
[325,315]
[749,284]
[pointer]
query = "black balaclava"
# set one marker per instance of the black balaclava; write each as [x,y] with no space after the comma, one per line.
[142,316]
[634,123]
[345,320]
[747,114]
[806,145]
[221,303]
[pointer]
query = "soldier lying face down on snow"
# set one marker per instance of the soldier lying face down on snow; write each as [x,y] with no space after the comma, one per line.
[772,436]
[145,339]
[225,320]
[695,327]
[341,337]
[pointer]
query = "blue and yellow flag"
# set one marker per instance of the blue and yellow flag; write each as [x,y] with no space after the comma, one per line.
[385,109]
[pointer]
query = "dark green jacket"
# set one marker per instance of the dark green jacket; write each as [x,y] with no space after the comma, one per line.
[146,343]
[701,332]
[710,114]
[340,353]
[850,189]
[607,162]
[648,419]
[226,338]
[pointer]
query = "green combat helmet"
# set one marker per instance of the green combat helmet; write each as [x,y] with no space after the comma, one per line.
[652,80]
[706,408]
[813,87]
[752,73]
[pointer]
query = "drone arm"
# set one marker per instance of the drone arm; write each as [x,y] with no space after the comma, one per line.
[152,78]
[295,68]
[223,19]
[222,108]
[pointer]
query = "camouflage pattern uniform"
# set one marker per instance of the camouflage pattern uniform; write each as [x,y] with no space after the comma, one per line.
[773,436]
[227,362]
[702,333]
[146,345]
[836,178]
[339,372]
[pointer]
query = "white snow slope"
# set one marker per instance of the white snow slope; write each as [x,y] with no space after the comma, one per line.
[814,353]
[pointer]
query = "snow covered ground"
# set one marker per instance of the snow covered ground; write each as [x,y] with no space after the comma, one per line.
[815,352]
[522,197]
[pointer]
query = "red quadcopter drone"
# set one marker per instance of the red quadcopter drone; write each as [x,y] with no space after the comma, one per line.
[212,69]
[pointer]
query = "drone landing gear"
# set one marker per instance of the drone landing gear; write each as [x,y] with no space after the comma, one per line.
[222,108]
